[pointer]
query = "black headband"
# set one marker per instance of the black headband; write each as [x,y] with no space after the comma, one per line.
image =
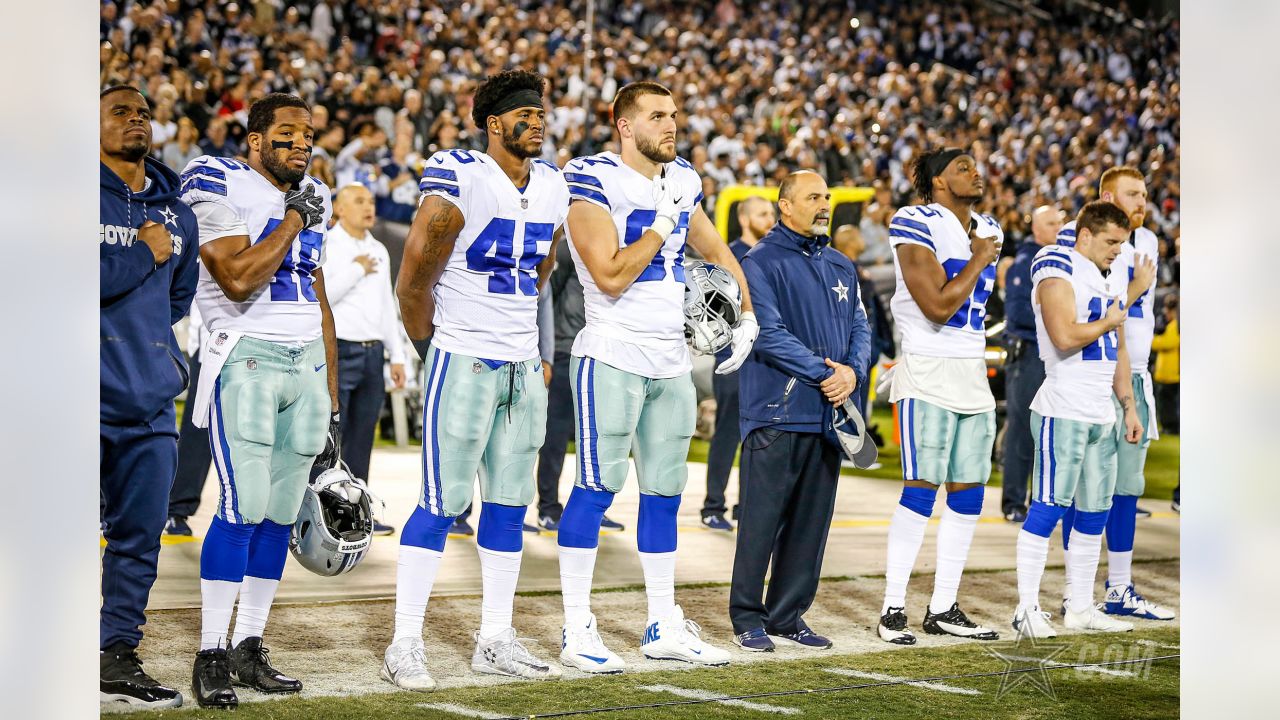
[517,99]
[935,165]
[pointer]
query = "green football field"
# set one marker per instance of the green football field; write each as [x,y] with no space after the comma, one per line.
[1006,679]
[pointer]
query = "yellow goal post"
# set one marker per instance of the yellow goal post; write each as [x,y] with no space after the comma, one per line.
[729,197]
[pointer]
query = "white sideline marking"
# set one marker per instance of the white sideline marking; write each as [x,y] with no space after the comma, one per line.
[704,695]
[1154,644]
[1052,664]
[462,710]
[889,678]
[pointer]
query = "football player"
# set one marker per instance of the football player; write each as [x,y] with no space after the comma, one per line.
[270,378]
[630,219]
[468,289]
[1136,262]
[1080,312]
[944,259]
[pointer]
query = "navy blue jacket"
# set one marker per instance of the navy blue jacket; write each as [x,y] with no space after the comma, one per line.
[142,368]
[805,297]
[1020,319]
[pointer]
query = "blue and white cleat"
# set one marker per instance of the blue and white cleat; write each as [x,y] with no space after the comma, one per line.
[1124,600]
[583,649]
[676,638]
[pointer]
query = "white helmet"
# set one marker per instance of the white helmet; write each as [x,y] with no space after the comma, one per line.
[335,524]
[712,307]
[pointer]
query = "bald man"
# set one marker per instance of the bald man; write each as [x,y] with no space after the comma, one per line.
[1024,370]
[755,218]
[368,327]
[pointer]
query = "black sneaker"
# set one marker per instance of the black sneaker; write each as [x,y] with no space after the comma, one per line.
[548,523]
[716,521]
[893,627]
[607,524]
[531,529]
[1016,515]
[121,680]
[177,526]
[379,528]
[955,622]
[804,637]
[461,528]
[211,679]
[251,668]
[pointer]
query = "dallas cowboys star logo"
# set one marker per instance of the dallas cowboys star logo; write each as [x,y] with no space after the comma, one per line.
[1027,662]
[169,216]
[842,292]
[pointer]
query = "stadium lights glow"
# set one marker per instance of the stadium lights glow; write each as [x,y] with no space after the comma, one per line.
[875,127]
[854,23]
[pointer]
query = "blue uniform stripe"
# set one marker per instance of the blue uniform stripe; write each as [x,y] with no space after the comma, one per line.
[1067,232]
[583,180]
[911,225]
[440,174]
[902,437]
[911,420]
[896,232]
[197,182]
[1043,486]
[435,435]
[1053,461]
[580,410]
[429,185]
[585,193]
[226,455]
[1043,264]
[591,414]
[212,172]
[428,431]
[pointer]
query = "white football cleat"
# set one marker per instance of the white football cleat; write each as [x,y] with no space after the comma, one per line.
[1124,600]
[1033,623]
[404,665]
[1094,619]
[505,655]
[583,649]
[676,638]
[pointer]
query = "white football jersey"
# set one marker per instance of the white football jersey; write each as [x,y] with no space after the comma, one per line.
[1140,326]
[487,296]
[1077,384]
[937,228]
[641,331]
[230,198]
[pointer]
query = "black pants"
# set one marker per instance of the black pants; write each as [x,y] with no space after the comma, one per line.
[361,390]
[788,484]
[136,466]
[724,444]
[559,432]
[1023,377]
[1167,411]
[194,457]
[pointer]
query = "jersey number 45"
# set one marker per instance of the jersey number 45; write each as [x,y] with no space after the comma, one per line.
[493,253]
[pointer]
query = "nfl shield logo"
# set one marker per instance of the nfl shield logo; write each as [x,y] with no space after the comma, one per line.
[475,368]
[524,203]
[222,337]
[251,364]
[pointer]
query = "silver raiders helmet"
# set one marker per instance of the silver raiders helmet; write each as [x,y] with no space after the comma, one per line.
[712,307]
[335,524]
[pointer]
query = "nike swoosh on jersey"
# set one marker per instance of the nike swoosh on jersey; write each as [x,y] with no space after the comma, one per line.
[319,366]
[596,660]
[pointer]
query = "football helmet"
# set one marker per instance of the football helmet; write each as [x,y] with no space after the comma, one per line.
[712,307]
[335,524]
[851,430]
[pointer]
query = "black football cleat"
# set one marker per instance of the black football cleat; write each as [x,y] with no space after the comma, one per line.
[893,627]
[211,679]
[121,680]
[251,668]
[955,623]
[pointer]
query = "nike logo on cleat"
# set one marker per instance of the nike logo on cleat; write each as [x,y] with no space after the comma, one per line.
[596,660]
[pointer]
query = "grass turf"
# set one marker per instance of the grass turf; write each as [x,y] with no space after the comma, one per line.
[1149,690]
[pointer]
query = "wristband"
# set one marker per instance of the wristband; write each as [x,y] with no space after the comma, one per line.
[662,226]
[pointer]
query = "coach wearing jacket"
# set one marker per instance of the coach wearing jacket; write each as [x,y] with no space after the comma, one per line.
[147,246]
[811,354]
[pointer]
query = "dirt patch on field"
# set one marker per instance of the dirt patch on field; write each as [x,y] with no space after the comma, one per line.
[336,648]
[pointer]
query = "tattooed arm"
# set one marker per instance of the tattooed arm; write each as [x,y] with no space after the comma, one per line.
[426,250]
[1122,385]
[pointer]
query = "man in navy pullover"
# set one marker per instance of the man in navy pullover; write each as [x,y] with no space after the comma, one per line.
[147,246]
[811,354]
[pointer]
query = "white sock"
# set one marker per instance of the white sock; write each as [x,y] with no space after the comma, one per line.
[955,534]
[499,573]
[906,533]
[1033,553]
[659,583]
[1120,567]
[577,565]
[415,574]
[256,596]
[1083,569]
[217,598]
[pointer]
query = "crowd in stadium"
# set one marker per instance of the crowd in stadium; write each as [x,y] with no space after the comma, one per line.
[1045,103]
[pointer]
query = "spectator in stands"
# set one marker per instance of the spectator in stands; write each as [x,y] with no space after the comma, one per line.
[358,161]
[217,142]
[874,228]
[1167,375]
[184,147]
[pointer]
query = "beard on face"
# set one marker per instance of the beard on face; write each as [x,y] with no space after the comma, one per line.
[512,144]
[134,150]
[281,169]
[652,149]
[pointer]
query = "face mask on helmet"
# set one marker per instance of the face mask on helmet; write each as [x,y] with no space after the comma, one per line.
[712,307]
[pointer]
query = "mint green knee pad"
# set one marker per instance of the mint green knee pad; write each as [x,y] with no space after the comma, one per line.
[617,413]
[268,420]
[940,446]
[481,421]
[1074,462]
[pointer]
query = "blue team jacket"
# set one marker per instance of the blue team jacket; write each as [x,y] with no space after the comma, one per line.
[142,368]
[805,296]
[1020,318]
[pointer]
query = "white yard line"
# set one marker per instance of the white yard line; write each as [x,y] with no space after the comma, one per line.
[889,678]
[1052,664]
[462,710]
[705,695]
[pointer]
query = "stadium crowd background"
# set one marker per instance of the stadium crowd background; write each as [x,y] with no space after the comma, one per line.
[1046,100]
